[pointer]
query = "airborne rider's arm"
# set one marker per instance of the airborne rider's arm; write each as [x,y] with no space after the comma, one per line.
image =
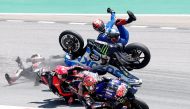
[110,24]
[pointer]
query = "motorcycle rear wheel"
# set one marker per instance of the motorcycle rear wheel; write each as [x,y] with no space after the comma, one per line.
[138,55]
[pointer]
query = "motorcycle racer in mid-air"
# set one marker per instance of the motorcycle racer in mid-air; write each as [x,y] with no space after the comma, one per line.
[110,35]
[108,42]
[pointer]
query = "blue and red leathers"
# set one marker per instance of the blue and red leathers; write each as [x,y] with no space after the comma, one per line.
[124,34]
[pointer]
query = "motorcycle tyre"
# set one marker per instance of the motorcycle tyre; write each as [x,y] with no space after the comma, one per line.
[78,37]
[139,104]
[128,48]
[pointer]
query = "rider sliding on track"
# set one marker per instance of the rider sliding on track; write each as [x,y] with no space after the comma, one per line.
[35,60]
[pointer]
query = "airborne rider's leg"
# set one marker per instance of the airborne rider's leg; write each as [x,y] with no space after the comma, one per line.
[124,34]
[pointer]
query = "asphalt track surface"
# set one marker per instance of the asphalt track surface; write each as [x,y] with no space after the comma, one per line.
[165,79]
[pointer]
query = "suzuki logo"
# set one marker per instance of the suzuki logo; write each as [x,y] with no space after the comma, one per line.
[90,63]
[87,62]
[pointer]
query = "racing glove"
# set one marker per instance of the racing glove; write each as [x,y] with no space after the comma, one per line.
[109,10]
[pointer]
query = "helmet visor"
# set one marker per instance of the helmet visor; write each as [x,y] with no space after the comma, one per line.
[101,29]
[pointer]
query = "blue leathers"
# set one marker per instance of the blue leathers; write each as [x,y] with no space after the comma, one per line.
[124,34]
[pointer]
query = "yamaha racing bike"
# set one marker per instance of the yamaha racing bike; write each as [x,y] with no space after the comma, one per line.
[110,94]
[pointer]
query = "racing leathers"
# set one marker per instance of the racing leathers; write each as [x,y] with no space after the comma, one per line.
[124,34]
[101,94]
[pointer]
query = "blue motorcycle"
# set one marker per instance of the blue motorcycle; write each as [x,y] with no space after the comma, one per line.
[118,60]
[135,55]
[109,93]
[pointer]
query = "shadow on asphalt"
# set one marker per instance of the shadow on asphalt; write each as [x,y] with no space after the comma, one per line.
[53,103]
[46,90]
[16,83]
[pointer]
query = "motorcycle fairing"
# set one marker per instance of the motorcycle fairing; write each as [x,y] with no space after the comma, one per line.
[85,60]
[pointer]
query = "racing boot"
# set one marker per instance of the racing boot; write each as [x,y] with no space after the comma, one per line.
[19,62]
[8,79]
[131,18]
[12,79]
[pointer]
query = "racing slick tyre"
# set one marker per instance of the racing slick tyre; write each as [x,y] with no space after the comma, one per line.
[138,54]
[71,42]
[138,104]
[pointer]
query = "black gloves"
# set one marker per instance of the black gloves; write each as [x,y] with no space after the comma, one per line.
[109,10]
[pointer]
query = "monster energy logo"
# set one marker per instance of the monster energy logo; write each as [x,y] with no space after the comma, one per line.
[104,49]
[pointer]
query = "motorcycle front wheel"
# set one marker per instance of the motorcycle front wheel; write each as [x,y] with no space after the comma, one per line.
[71,42]
[138,104]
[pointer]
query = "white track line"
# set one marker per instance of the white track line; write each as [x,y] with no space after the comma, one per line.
[14,20]
[15,107]
[138,26]
[168,28]
[83,23]
[49,22]
[77,23]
